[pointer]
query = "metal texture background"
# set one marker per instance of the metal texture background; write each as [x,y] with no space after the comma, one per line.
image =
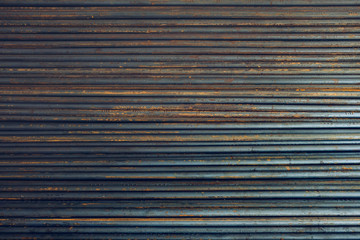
[208,119]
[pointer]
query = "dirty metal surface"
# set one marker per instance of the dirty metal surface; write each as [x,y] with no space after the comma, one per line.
[208,119]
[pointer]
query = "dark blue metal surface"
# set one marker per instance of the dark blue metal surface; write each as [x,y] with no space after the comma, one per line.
[209,119]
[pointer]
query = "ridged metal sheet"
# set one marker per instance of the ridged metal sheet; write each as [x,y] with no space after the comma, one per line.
[209,119]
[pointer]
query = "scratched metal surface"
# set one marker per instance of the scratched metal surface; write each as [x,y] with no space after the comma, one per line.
[208,119]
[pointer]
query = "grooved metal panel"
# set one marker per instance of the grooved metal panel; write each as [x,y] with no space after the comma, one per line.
[179,119]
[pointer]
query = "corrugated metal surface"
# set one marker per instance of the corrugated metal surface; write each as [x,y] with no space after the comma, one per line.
[208,119]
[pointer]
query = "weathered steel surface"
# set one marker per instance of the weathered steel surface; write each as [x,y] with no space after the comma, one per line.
[208,119]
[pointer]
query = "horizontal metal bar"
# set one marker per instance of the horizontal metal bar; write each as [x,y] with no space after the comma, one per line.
[333,236]
[184,65]
[222,102]
[187,203]
[176,43]
[181,230]
[53,175]
[163,23]
[178,12]
[31,196]
[216,107]
[171,169]
[174,71]
[113,27]
[16,126]
[185,91]
[178,2]
[94,48]
[193,222]
[198,36]
[137,59]
[235,212]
